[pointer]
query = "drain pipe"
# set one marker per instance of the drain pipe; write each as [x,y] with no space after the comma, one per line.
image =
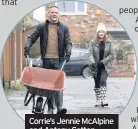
[21,54]
[15,58]
[21,46]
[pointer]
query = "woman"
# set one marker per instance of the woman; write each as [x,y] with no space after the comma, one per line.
[101,57]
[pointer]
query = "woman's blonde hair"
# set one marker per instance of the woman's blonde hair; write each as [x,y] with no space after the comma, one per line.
[97,39]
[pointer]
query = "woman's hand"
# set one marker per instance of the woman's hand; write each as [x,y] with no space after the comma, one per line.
[93,65]
[100,64]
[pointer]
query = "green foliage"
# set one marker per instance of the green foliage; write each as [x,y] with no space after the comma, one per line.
[27,22]
[121,48]
[119,55]
[15,85]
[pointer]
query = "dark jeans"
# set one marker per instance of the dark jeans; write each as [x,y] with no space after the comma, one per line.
[57,98]
[101,78]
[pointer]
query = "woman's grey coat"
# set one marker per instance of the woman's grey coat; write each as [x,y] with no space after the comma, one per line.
[94,55]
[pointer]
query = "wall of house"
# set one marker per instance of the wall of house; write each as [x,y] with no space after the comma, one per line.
[83,27]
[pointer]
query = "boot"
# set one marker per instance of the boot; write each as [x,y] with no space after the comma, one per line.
[97,95]
[50,111]
[59,103]
[103,96]
[62,111]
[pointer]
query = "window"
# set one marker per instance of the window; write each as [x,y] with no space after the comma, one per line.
[75,54]
[72,8]
[83,53]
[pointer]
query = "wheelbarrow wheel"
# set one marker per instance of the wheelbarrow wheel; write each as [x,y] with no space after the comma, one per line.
[39,104]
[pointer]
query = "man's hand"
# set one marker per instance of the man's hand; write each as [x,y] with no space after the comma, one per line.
[67,57]
[26,53]
[100,64]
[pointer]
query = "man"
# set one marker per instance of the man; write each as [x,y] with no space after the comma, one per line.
[55,47]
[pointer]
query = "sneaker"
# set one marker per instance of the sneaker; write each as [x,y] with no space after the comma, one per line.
[62,111]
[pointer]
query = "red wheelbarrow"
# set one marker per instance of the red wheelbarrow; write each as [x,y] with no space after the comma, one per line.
[43,83]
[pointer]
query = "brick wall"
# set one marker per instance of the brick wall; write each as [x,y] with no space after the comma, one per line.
[124,68]
[83,27]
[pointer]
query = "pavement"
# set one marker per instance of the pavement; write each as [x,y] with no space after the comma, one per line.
[79,97]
